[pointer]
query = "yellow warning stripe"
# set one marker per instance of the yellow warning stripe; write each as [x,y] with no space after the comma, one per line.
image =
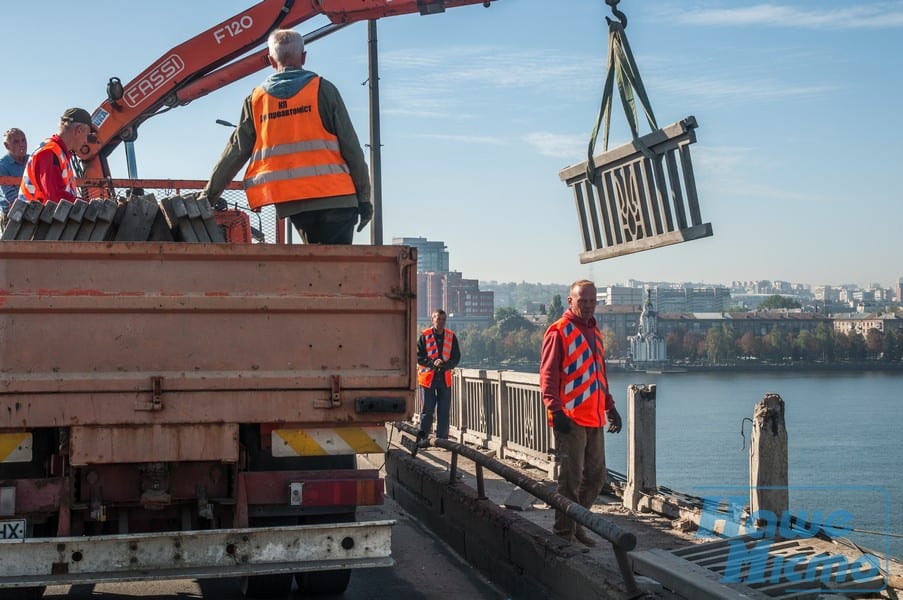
[320,442]
[10,447]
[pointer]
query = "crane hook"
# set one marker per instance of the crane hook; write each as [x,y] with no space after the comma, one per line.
[614,9]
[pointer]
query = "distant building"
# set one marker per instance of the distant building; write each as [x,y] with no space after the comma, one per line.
[647,346]
[691,299]
[862,323]
[431,256]
[437,287]
[622,320]
[622,295]
[758,322]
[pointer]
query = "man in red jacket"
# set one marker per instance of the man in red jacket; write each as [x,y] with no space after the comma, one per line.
[575,392]
[50,171]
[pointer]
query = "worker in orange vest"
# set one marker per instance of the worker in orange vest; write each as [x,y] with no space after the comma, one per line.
[574,388]
[303,154]
[437,356]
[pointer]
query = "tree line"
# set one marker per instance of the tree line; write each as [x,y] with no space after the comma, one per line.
[721,344]
[512,339]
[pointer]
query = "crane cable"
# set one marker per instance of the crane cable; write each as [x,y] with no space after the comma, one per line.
[620,65]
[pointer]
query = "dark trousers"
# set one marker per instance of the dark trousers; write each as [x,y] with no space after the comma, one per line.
[582,473]
[328,226]
[431,400]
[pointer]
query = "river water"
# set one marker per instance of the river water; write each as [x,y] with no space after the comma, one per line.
[843,431]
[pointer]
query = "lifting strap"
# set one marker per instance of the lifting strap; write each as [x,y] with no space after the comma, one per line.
[620,65]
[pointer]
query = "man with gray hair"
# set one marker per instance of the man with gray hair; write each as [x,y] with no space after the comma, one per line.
[12,165]
[305,157]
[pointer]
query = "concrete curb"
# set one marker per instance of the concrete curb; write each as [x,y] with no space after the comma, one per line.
[519,556]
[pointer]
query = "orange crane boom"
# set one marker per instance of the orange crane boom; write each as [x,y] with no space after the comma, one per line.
[212,59]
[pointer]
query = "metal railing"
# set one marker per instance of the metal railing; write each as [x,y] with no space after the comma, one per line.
[503,411]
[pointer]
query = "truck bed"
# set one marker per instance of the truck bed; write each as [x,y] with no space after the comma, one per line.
[96,334]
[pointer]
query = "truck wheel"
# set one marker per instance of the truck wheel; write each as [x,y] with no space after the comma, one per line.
[323,583]
[278,585]
[29,593]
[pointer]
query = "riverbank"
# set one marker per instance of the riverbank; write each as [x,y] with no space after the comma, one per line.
[763,366]
[619,366]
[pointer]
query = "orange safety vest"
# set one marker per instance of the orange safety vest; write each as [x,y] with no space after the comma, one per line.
[294,157]
[28,189]
[584,383]
[425,374]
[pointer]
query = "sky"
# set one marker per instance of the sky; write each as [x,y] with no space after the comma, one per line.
[797,161]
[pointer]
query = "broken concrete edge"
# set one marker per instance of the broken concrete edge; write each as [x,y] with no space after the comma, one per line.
[522,558]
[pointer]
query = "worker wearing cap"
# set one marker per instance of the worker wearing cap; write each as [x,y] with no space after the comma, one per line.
[303,154]
[49,173]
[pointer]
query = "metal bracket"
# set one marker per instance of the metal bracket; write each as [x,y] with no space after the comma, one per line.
[335,397]
[156,401]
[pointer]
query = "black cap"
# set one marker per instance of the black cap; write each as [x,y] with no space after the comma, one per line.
[78,115]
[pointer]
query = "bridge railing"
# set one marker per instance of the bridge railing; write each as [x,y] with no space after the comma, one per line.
[502,411]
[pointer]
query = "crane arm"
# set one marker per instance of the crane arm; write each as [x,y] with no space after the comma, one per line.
[202,64]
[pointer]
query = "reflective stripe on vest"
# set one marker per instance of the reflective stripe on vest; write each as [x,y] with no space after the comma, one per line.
[294,157]
[584,386]
[425,374]
[28,189]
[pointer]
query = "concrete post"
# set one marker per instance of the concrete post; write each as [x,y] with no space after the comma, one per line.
[501,413]
[458,400]
[640,446]
[768,457]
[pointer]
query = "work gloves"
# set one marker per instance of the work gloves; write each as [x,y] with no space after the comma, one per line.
[561,423]
[614,420]
[218,204]
[365,210]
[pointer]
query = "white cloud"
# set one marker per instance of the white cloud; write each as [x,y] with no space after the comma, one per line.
[746,89]
[876,15]
[483,140]
[557,145]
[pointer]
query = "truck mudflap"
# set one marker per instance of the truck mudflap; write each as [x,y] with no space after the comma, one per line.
[195,554]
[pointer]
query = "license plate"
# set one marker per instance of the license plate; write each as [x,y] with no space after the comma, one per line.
[14,529]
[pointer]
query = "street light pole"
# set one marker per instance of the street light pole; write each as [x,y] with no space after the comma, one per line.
[376,225]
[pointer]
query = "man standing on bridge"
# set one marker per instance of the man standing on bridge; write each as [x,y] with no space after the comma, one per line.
[438,354]
[575,392]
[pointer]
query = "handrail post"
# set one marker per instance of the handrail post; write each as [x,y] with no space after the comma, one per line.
[640,446]
[502,410]
[459,394]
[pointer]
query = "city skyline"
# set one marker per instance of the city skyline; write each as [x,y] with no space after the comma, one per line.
[481,108]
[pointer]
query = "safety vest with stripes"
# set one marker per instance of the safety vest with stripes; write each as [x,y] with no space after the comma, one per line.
[294,157]
[425,374]
[29,190]
[584,383]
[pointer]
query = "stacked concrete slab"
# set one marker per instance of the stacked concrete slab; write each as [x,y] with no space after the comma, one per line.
[138,218]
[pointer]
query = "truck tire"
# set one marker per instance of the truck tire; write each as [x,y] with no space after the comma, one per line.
[275,585]
[29,593]
[278,585]
[325,583]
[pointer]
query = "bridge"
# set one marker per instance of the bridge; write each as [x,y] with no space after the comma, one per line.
[474,518]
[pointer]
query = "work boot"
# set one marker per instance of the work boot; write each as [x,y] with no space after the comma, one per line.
[584,537]
[567,536]
[423,443]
